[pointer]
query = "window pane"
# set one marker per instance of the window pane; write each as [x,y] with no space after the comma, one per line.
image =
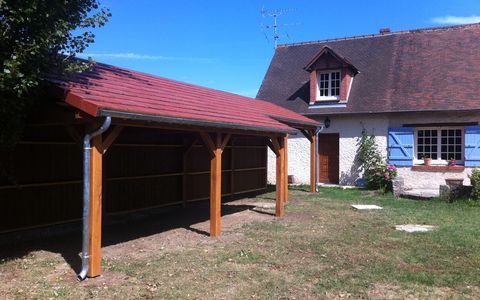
[335,84]
[434,155]
[444,156]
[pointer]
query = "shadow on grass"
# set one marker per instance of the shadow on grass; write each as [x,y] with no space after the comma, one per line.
[66,239]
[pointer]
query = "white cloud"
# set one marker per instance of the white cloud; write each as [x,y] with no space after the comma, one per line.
[137,56]
[456,20]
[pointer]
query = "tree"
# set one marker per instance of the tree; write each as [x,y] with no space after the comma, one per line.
[36,37]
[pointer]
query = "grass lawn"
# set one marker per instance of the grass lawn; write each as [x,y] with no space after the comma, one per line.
[321,249]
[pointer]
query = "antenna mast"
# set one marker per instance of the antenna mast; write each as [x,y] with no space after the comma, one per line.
[275,13]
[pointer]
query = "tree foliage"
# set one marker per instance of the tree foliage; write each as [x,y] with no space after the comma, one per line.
[38,36]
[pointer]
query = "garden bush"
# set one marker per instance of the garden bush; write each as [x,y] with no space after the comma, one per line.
[475,180]
[377,173]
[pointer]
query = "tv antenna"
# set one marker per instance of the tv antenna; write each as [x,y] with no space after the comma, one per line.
[275,13]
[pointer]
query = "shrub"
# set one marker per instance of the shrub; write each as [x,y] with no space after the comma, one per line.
[377,173]
[475,179]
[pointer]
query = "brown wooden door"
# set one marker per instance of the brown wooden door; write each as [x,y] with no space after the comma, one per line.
[328,151]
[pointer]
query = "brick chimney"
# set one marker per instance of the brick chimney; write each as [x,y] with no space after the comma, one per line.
[385,30]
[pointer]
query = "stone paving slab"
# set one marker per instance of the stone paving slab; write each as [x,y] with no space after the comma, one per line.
[265,205]
[421,193]
[415,228]
[366,207]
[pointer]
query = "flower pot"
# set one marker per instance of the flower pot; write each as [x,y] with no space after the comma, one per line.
[427,161]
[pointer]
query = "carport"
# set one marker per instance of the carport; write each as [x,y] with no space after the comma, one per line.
[103,108]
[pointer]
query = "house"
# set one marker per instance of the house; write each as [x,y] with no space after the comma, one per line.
[112,141]
[417,91]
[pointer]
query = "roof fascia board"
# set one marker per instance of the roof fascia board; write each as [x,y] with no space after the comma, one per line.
[189,122]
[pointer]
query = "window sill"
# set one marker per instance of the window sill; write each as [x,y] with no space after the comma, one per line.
[424,168]
[327,99]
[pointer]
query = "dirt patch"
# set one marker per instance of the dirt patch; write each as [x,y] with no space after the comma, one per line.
[184,237]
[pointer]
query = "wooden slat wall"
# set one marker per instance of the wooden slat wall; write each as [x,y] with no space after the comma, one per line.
[142,169]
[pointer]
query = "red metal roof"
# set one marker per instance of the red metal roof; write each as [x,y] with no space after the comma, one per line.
[109,90]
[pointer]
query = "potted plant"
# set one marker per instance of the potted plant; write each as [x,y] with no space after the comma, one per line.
[427,161]
[452,162]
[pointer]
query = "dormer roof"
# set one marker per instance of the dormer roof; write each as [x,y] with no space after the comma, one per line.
[326,52]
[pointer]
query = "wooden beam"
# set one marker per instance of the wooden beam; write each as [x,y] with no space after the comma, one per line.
[307,134]
[95,234]
[313,163]
[225,140]
[216,191]
[280,180]
[285,142]
[190,128]
[111,137]
[272,147]
[207,140]
[275,144]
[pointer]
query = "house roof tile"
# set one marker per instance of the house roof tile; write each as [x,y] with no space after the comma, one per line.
[436,69]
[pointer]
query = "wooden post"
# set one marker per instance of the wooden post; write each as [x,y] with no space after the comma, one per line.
[280,180]
[215,148]
[215,192]
[286,169]
[95,249]
[313,162]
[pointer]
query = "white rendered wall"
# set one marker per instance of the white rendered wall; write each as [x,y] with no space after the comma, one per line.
[298,160]
[350,129]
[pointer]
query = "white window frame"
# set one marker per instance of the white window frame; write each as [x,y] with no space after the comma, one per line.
[438,161]
[329,97]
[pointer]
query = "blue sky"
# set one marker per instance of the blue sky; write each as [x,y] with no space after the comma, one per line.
[221,44]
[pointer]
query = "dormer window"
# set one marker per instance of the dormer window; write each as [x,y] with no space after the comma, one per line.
[331,77]
[328,85]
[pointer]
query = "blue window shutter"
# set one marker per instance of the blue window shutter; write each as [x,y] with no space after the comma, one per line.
[472,146]
[400,146]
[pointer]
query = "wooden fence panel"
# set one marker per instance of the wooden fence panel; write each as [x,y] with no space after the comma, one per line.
[142,169]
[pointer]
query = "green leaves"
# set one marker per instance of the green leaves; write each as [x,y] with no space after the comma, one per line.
[35,34]
[38,37]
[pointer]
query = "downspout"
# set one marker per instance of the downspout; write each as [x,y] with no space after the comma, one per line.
[317,131]
[86,194]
